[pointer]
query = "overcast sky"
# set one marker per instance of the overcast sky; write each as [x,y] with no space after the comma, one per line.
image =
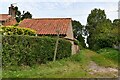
[75,9]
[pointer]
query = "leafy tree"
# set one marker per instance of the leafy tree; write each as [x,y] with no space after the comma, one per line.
[78,32]
[103,36]
[116,23]
[99,28]
[116,32]
[77,28]
[96,16]
[26,15]
[80,38]
[20,16]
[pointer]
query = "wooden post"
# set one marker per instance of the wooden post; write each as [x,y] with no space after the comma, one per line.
[56,46]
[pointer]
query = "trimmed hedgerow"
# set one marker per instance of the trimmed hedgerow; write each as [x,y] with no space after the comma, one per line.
[30,50]
[12,30]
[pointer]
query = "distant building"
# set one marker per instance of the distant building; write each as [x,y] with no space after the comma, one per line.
[119,9]
[8,19]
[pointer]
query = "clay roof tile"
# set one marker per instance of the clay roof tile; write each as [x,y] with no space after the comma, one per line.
[47,26]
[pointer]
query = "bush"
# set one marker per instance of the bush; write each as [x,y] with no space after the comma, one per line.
[29,50]
[80,57]
[101,43]
[77,57]
[11,30]
[76,42]
[110,54]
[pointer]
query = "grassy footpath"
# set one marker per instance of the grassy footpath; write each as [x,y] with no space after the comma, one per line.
[74,67]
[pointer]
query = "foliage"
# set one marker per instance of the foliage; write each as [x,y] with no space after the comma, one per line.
[102,61]
[96,16]
[58,69]
[100,30]
[101,57]
[81,41]
[77,28]
[26,15]
[78,32]
[110,54]
[76,66]
[103,36]
[30,50]
[116,23]
[116,31]
[80,57]
[76,42]
[11,30]
[20,16]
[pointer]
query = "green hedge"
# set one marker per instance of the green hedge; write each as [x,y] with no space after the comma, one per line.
[12,30]
[29,50]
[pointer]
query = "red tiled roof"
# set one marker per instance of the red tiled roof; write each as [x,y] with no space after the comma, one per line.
[47,26]
[4,17]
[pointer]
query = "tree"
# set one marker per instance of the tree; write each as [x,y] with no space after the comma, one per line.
[77,28]
[116,32]
[99,28]
[103,36]
[116,23]
[20,16]
[26,15]
[78,32]
[96,16]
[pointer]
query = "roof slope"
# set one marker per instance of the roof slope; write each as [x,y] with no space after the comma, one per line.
[4,17]
[47,26]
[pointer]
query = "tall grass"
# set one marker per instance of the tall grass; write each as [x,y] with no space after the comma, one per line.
[110,53]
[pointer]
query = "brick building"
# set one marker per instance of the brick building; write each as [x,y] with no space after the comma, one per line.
[8,19]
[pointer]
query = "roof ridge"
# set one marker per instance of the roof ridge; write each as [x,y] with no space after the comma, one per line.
[4,14]
[47,26]
[49,18]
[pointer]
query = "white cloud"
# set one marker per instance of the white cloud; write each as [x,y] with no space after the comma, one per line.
[60,0]
[78,11]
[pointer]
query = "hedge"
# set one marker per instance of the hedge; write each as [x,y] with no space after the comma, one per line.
[30,50]
[12,30]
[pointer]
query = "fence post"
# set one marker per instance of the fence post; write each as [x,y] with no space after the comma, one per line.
[56,46]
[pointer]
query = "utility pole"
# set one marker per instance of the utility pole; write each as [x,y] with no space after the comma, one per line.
[56,45]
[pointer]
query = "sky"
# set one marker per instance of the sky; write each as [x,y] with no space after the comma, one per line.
[75,9]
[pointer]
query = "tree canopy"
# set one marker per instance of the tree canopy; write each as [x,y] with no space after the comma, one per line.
[20,16]
[78,32]
[77,28]
[96,16]
[100,30]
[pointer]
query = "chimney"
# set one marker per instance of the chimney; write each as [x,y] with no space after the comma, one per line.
[12,11]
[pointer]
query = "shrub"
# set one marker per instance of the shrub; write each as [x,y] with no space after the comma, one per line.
[76,42]
[110,54]
[77,57]
[11,30]
[29,50]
